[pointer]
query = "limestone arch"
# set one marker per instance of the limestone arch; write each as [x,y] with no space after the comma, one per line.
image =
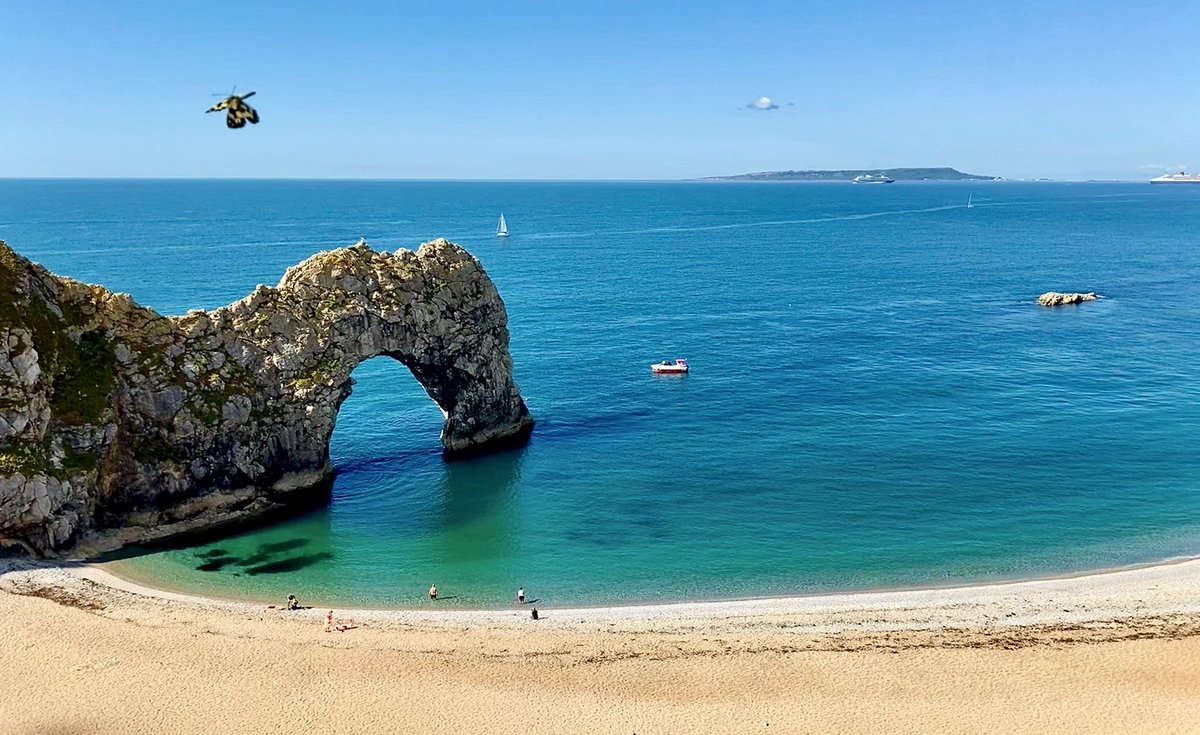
[224,416]
[434,311]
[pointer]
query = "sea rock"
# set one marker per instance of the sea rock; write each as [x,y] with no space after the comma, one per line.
[1054,298]
[119,425]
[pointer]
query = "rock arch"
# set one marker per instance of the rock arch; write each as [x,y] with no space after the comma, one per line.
[119,425]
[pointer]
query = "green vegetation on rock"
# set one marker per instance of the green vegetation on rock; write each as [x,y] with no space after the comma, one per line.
[152,448]
[85,378]
[79,461]
[83,372]
[24,459]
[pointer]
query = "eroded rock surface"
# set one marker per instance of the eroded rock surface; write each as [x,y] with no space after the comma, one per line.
[119,425]
[1054,298]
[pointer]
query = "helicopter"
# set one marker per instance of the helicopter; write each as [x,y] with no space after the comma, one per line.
[239,113]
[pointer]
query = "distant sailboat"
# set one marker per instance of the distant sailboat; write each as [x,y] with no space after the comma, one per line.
[969,204]
[502,228]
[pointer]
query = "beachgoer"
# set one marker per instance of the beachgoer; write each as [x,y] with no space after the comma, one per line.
[329,621]
[433,592]
[534,614]
[521,596]
[293,603]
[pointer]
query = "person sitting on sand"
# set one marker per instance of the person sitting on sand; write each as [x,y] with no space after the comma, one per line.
[521,596]
[293,603]
[433,592]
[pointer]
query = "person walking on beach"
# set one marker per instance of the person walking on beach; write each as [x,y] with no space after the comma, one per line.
[520,595]
[329,622]
[433,592]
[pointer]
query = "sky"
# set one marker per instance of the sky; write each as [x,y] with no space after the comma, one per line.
[599,90]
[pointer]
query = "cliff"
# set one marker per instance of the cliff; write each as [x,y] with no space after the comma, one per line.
[119,425]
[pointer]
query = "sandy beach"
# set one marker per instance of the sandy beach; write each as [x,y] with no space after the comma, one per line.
[84,652]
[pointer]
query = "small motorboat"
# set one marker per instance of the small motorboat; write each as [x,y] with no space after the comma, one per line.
[666,367]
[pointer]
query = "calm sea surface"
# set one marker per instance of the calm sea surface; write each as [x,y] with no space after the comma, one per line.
[875,399]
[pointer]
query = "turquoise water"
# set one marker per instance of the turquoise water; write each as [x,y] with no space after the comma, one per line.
[875,401]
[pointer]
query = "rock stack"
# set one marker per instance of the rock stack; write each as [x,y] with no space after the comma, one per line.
[1054,298]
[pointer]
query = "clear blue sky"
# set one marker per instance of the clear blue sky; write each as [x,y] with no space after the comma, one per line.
[599,90]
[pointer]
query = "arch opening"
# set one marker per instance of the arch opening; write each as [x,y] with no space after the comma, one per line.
[387,416]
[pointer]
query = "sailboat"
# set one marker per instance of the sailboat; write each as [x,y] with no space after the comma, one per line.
[969,204]
[502,227]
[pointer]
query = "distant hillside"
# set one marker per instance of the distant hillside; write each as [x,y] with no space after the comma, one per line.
[899,174]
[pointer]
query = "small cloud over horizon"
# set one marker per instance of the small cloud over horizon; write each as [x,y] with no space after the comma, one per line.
[763,103]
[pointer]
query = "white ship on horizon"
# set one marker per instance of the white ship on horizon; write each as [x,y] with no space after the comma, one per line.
[869,179]
[1179,178]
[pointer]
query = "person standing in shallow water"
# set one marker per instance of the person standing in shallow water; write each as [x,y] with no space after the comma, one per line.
[433,592]
[520,595]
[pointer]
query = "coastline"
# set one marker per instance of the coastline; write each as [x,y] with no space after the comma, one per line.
[1090,654]
[113,574]
[1111,650]
[1171,587]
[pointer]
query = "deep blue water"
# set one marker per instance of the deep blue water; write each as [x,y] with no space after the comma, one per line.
[876,400]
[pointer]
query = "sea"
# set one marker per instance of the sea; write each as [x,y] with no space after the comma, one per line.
[876,400]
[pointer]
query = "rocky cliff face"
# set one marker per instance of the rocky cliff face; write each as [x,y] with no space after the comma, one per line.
[119,425]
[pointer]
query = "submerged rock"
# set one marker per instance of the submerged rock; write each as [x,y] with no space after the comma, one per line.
[1054,298]
[119,425]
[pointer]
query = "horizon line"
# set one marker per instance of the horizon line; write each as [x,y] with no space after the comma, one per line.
[699,180]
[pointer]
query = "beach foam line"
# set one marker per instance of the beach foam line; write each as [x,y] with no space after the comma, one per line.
[1164,589]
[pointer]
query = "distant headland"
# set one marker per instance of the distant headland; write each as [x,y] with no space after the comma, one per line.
[944,173]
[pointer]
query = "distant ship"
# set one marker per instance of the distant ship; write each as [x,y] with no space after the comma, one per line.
[869,179]
[502,227]
[1179,178]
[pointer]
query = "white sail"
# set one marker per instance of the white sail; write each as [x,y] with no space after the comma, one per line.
[502,228]
[969,204]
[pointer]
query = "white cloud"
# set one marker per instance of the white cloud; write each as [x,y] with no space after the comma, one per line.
[763,103]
